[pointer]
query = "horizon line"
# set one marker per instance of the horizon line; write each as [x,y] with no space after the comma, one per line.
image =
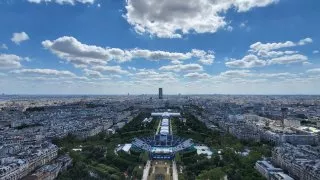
[169,94]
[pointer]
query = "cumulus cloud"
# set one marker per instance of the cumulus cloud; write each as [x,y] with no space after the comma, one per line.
[110,69]
[235,73]
[17,38]
[157,55]
[9,61]
[306,63]
[79,54]
[174,18]
[305,41]
[196,75]
[176,62]
[252,76]
[248,61]
[82,55]
[93,74]
[243,24]
[182,68]
[44,72]
[205,58]
[3,46]
[288,59]
[258,46]
[315,70]
[263,54]
[275,75]
[273,54]
[229,28]
[152,76]
[72,2]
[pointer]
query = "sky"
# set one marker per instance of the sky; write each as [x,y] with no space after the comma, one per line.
[137,46]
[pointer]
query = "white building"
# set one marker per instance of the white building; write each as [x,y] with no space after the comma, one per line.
[280,176]
[291,123]
[266,168]
[203,150]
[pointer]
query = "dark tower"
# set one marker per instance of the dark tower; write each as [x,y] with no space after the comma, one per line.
[160,93]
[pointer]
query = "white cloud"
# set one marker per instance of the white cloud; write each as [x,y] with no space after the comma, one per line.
[253,74]
[157,55]
[235,73]
[246,5]
[176,62]
[19,37]
[110,69]
[263,54]
[196,75]
[72,2]
[288,59]
[243,25]
[147,81]
[315,70]
[151,75]
[229,28]
[248,61]
[182,68]
[9,61]
[27,59]
[247,76]
[205,58]
[174,18]
[132,68]
[275,75]
[258,46]
[305,41]
[315,51]
[272,54]
[93,74]
[73,51]
[306,63]
[3,46]
[44,72]
[82,55]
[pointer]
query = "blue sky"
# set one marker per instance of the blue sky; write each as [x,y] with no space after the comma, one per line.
[136,46]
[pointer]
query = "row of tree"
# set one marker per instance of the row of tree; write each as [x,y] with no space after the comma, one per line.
[229,163]
[98,159]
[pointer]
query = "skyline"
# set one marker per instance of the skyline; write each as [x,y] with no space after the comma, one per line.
[119,47]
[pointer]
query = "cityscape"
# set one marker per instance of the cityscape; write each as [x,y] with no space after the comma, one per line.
[159,90]
[160,137]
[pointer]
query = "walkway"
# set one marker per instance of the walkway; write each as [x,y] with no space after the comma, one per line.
[174,171]
[158,129]
[146,171]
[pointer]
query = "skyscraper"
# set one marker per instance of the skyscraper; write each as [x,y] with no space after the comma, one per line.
[160,93]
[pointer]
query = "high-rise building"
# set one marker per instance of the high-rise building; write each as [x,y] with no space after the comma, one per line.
[160,93]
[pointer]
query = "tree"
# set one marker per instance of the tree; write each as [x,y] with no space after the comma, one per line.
[178,158]
[144,157]
[213,174]
[137,172]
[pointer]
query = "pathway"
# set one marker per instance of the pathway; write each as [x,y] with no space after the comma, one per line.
[146,171]
[174,171]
